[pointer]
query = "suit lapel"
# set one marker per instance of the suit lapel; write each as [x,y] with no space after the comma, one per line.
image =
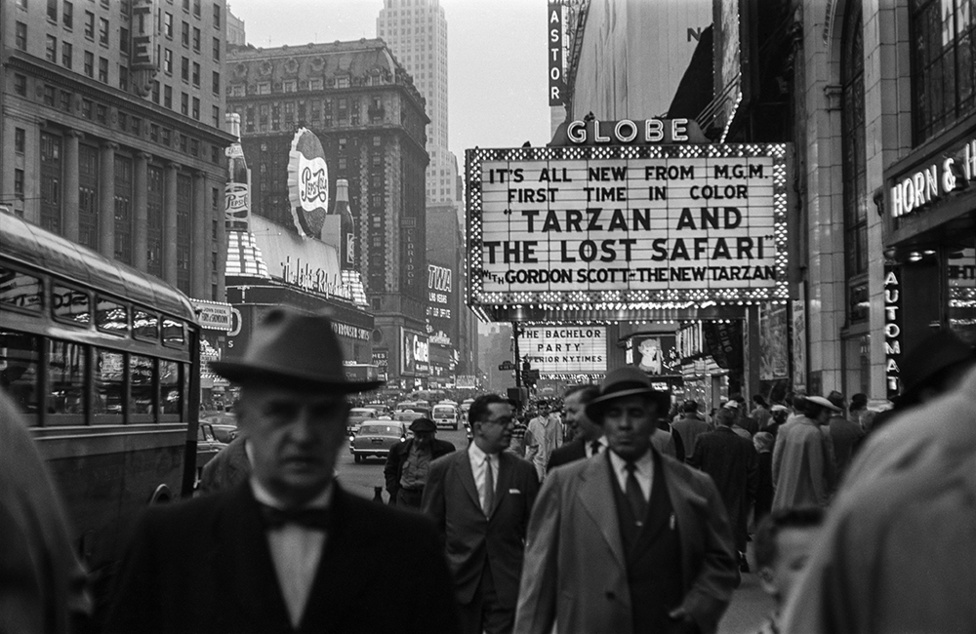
[242,561]
[596,496]
[462,468]
[684,500]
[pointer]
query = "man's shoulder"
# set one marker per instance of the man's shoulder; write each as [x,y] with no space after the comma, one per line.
[517,462]
[383,519]
[693,477]
[443,462]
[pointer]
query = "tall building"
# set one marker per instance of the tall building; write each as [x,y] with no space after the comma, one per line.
[364,109]
[416,32]
[112,130]
[236,35]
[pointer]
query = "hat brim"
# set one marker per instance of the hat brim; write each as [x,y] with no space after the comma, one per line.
[596,407]
[243,372]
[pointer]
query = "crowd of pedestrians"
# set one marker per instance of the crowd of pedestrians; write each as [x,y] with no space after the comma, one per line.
[626,514]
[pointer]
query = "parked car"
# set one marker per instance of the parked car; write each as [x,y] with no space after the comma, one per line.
[357,415]
[208,445]
[375,437]
[445,415]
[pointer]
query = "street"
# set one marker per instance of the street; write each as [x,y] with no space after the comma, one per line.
[750,604]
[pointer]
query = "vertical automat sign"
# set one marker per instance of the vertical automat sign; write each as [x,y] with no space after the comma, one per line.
[892,331]
[628,224]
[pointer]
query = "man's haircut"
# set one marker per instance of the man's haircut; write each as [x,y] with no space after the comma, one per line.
[724,417]
[479,409]
[587,392]
[772,524]
[690,407]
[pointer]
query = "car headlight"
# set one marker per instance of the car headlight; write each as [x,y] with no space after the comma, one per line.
[352,438]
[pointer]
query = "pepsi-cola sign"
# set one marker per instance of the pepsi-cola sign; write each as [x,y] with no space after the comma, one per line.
[308,183]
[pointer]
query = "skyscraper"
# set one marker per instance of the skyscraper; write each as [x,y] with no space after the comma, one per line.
[416,32]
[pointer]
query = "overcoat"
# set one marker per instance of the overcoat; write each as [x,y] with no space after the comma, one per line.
[473,540]
[205,566]
[397,459]
[564,454]
[575,572]
[227,469]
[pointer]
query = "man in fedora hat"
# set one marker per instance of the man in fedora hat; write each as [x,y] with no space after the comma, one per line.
[628,540]
[288,549]
[803,457]
[408,463]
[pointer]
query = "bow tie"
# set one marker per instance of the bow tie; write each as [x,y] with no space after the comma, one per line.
[311,518]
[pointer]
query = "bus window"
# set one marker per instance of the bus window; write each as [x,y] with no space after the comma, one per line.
[19,356]
[171,387]
[70,305]
[145,325]
[66,365]
[173,333]
[111,316]
[18,290]
[109,382]
[142,387]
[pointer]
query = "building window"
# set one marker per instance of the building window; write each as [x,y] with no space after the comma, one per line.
[154,220]
[124,40]
[50,181]
[184,104]
[68,15]
[196,8]
[184,239]
[215,83]
[196,39]
[943,70]
[101,113]
[168,96]
[216,49]
[216,16]
[185,35]
[196,108]
[168,25]
[168,61]
[20,37]
[19,140]
[19,184]
[123,77]
[89,25]
[123,209]
[264,88]
[66,101]
[196,74]
[89,63]
[215,112]
[52,10]
[88,196]
[103,70]
[51,49]
[289,85]
[155,91]
[103,31]
[49,94]
[185,69]
[86,108]
[854,158]
[20,84]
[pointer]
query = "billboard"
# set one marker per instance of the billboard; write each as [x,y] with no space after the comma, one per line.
[627,225]
[414,353]
[565,349]
[308,183]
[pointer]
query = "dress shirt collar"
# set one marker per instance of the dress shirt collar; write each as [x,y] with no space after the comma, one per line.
[644,465]
[477,455]
[588,445]
[322,501]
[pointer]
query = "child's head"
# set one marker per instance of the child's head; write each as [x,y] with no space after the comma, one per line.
[784,541]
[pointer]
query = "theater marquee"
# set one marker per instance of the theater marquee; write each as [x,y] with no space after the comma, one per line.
[624,228]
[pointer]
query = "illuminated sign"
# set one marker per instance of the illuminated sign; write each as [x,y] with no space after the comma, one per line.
[565,349]
[892,332]
[555,36]
[627,226]
[143,54]
[414,353]
[352,332]
[921,188]
[213,315]
[308,183]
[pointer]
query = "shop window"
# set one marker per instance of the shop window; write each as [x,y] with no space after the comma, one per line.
[20,357]
[109,383]
[66,363]
[142,386]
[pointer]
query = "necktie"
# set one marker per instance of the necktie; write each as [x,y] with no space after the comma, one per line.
[594,447]
[314,519]
[489,487]
[634,494]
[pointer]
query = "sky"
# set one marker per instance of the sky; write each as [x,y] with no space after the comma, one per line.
[496,58]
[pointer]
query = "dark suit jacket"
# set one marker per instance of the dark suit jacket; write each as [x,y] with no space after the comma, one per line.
[205,566]
[227,469]
[397,458]
[733,464]
[473,540]
[575,450]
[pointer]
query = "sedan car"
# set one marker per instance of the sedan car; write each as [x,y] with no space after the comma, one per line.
[375,437]
[357,415]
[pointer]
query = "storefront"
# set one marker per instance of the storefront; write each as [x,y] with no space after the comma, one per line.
[930,243]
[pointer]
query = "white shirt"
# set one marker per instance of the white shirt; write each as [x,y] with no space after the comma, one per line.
[479,468]
[295,552]
[644,472]
[588,446]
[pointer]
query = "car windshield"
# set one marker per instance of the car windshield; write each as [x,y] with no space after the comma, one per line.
[443,411]
[381,430]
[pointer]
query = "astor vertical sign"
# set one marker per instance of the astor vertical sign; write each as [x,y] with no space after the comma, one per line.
[555,35]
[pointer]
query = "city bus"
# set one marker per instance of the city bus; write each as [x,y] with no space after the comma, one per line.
[104,363]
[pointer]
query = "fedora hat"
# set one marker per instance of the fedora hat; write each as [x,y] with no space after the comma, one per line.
[622,382]
[824,403]
[296,350]
[422,424]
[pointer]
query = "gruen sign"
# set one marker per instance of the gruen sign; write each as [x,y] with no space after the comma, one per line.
[627,225]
